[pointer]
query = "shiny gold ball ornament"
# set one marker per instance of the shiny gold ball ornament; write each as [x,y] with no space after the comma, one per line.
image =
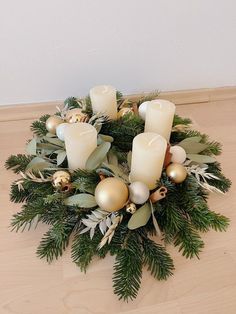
[60,179]
[176,172]
[76,115]
[52,123]
[124,111]
[111,194]
[131,208]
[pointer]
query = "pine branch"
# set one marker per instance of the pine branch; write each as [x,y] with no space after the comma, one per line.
[119,98]
[128,268]
[157,259]
[123,131]
[30,190]
[30,213]
[83,249]
[85,180]
[179,120]
[204,219]
[55,240]
[189,241]
[147,97]
[223,184]
[18,162]
[88,106]
[72,102]
[39,127]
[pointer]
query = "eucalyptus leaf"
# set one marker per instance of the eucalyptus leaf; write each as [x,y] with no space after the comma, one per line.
[54,141]
[97,156]
[82,200]
[61,157]
[31,147]
[112,158]
[193,147]
[117,171]
[51,135]
[40,166]
[140,217]
[98,127]
[105,171]
[35,160]
[195,139]
[47,146]
[106,138]
[129,157]
[201,159]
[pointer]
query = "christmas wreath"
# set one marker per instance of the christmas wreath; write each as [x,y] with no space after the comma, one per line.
[101,207]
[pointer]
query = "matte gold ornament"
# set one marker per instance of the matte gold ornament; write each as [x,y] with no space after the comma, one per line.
[52,123]
[61,180]
[131,208]
[124,111]
[111,194]
[176,172]
[76,115]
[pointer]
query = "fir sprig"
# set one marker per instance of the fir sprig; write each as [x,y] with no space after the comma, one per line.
[55,241]
[18,162]
[157,260]
[38,127]
[128,268]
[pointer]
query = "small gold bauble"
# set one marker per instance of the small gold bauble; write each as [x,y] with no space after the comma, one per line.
[176,172]
[131,208]
[52,123]
[111,194]
[76,115]
[124,111]
[60,179]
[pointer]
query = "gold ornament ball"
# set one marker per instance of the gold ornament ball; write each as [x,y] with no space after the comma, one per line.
[131,208]
[123,112]
[176,172]
[76,115]
[52,123]
[111,194]
[60,178]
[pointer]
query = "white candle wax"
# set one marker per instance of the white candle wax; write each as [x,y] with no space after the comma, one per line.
[148,154]
[103,100]
[159,117]
[80,142]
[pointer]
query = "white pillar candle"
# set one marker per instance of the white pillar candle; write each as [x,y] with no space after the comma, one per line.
[148,154]
[80,142]
[159,117]
[103,100]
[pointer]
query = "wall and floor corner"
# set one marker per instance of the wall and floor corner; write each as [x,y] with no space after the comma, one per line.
[54,49]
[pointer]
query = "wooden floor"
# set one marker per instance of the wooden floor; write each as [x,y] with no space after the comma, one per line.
[206,286]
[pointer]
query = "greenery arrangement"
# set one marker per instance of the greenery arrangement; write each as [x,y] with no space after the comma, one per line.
[65,200]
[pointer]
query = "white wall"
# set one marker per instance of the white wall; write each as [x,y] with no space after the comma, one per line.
[51,49]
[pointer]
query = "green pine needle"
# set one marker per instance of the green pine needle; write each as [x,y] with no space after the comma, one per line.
[189,241]
[18,162]
[128,268]
[83,249]
[55,241]
[157,260]
[39,127]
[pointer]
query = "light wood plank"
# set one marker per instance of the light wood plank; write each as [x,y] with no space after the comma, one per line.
[30,286]
[182,97]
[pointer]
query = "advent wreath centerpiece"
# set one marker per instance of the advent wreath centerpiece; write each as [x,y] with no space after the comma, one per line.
[111,172]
